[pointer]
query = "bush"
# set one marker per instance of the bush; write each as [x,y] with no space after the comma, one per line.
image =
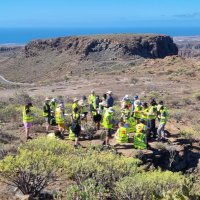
[150,185]
[190,134]
[31,170]
[197,96]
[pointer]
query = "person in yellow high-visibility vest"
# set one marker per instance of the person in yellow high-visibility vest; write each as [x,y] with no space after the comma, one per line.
[137,112]
[91,100]
[60,118]
[108,124]
[162,122]
[122,134]
[28,119]
[140,139]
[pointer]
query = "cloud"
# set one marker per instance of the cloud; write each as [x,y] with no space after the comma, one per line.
[188,16]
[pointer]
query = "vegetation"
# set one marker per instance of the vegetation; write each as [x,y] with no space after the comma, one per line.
[93,174]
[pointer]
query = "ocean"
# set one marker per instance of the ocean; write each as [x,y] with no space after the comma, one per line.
[21,36]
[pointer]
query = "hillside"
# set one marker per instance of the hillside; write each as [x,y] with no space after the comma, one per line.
[51,59]
[189,46]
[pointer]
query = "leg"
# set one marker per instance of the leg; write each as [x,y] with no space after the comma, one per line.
[159,131]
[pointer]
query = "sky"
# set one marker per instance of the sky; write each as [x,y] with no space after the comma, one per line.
[99,13]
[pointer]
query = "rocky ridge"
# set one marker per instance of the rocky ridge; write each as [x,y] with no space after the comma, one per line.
[107,47]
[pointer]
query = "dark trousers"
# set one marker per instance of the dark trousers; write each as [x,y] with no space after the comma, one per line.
[152,127]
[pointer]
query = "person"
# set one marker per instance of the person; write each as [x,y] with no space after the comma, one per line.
[144,112]
[28,119]
[137,111]
[75,128]
[75,104]
[126,102]
[57,135]
[131,124]
[96,118]
[47,113]
[53,105]
[103,104]
[122,134]
[108,124]
[97,101]
[152,115]
[140,139]
[91,100]
[60,119]
[109,100]
[125,113]
[83,107]
[162,122]
[160,104]
[133,102]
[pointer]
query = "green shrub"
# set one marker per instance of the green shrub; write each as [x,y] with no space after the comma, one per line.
[190,134]
[197,96]
[30,171]
[150,185]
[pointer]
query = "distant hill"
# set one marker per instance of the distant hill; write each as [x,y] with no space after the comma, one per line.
[42,60]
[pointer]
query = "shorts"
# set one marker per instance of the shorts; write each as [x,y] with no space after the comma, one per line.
[62,125]
[109,132]
[47,120]
[27,124]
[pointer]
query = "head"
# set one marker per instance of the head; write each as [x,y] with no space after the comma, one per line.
[29,104]
[109,93]
[92,92]
[136,97]
[84,98]
[53,100]
[97,97]
[153,102]
[120,124]
[161,102]
[145,105]
[104,96]
[47,99]
[126,97]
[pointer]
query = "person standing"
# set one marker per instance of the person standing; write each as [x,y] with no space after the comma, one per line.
[108,125]
[152,115]
[47,113]
[109,100]
[162,122]
[75,129]
[60,119]
[91,100]
[28,119]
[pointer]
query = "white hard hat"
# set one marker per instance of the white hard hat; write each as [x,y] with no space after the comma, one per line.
[109,92]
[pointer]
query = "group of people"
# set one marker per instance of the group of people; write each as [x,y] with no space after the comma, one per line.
[136,117]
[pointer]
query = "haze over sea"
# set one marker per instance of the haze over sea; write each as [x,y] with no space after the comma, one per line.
[24,35]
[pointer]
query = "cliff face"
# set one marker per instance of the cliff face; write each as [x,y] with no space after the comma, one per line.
[106,47]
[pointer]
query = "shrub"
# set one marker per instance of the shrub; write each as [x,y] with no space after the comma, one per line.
[190,134]
[197,96]
[149,185]
[31,170]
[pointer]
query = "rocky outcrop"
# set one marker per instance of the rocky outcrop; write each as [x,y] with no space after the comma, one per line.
[106,47]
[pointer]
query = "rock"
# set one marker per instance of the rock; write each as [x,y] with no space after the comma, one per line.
[107,47]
